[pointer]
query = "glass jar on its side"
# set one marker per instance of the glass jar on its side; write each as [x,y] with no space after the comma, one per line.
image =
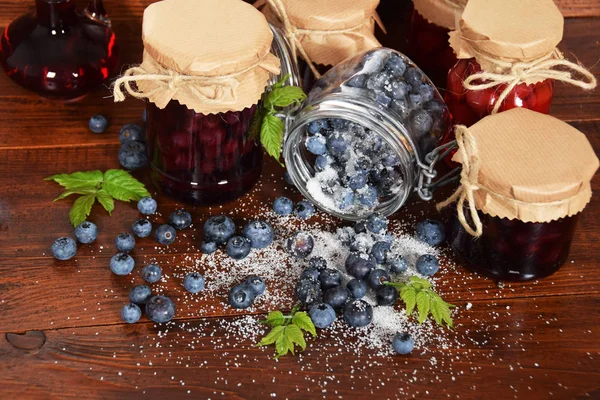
[359,143]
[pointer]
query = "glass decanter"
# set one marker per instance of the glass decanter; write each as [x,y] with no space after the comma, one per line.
[59,52]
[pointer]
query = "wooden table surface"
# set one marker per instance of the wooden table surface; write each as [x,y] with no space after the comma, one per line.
[62,336]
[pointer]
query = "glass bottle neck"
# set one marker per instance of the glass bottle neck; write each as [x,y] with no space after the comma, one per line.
[55,13]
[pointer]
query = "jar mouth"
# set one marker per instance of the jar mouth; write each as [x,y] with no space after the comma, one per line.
[345,106]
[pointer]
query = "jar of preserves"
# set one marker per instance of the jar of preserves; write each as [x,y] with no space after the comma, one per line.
[366,137]
[430,25]
[525,178]
[323,33]
[206,65]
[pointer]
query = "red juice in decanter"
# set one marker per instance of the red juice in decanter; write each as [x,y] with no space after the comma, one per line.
[202,159]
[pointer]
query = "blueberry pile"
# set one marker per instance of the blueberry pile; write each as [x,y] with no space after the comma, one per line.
[284,206]
[220,229]
[132,154]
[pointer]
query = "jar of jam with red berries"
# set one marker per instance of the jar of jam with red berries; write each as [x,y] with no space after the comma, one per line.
[525,178]
[366,137]
[206,65]
[428,47]
[323,33]
[508,59]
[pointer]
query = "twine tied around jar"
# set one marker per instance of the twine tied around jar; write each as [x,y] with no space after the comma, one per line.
[537,70]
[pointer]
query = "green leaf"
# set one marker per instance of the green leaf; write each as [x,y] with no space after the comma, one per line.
[78,180]
[275,318]
[303,321]
[271,135]
[294,333]
[282,81]
[408,294]
[283,345]
[416,281]
[122,186]
[284,97]
[81,209]
[422,305]
[440,310]
[256,123]
[106,200]
[70,192]
[273,336]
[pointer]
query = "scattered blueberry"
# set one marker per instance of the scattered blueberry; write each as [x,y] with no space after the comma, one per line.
[241,296]
[397,265]
[140,294]
[377,223]
[142,228]
[318,126]
[427,264]
[259,233]
[257,284]
[98,123]
[337,144]
[151,273]
[180,219]
[64,248]
[395,65]
[322,162]
[311,273]
[319,263]
[380,251]
[165,234]
[132,155]
[357,181]
[86,232]
[336,297]
[147,205]
[386,295]
[125,242]
[316,145]
[121,264]
[359,265]
[403,343]
[300,244]
[131,313]
[131,132]
[357,288]
[283,206]
[358,313]
[193,282]
[160,309]
[308,291]
[330,278]
[431,232]
[304,209]
[238,247]
[208,247]
[322,315]
[377,277]
[219,229]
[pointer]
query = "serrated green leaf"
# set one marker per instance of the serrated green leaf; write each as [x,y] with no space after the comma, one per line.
[271,135]
[256,123]
[272,336]
[70,192]
[422,306]
[283,345]
[282,81]
[440,310]
[416,281]
[81,209]
[122,186]
[106,200]
[294,333]
[274,318]
[408,294]
[284,96]
[78,180]
[303,321]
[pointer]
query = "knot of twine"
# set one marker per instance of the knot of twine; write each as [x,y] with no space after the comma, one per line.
[537,70]
[292,32]
[467,148]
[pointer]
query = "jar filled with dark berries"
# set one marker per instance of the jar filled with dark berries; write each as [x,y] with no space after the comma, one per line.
[206,65]
[430,25]
[323,33]
[525,179]
[361,140]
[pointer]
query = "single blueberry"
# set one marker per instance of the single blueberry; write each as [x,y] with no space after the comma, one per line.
[390,160]
[421,122]
[257,284]
[367,196]
[415,100]
[426,91]
[132,155]
[208,247]
[317,126]
[338,123]
[359,265]
[260,234]
[64,248]
[377,277]
[193,282]
[125,242]
[357,181]
[403,343]
[322,315]
[86,232]
[311,273]
[131,132]
[336,297]
[319,263]
[98,123]
[238,247]
[308,291]
[397,265]
[131,313]
[304,209]
[431,232]
[358,313]
[357,81]
[165,234]
[386,295]
[147,205]
[142,228]
[160,309]
[300,244]
[121,264]
[427,264]
[380,251]
[219,229]
[140,294]
[395,64]
[346,235]
[357,288]
[413,76]
[322,162]
[377,223]
[151,273]
[283,206]
[344,198]
[337,144]
[330,278]
[180,219]
[241,296]
[316,145]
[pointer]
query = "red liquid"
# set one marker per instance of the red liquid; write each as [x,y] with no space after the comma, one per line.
[58,52]
[513,250]
[202,159]
[307,77]
[428,47]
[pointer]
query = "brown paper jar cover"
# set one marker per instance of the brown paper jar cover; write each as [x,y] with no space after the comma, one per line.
[507,30]
[320,16]
[213,39]
[533,167]
[444,13]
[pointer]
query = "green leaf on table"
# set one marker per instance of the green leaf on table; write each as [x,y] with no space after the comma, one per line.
[274,318]
[295,335]
[70,192]
[409,296]
[272,336]
[422,306]
[287,331]
[284,344]
[81,209]
[122,186]
[284,97]
[106,200]
[303,321]
[80,180]
[271,135]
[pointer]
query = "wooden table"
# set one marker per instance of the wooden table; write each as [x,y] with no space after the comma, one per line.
[62,336]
